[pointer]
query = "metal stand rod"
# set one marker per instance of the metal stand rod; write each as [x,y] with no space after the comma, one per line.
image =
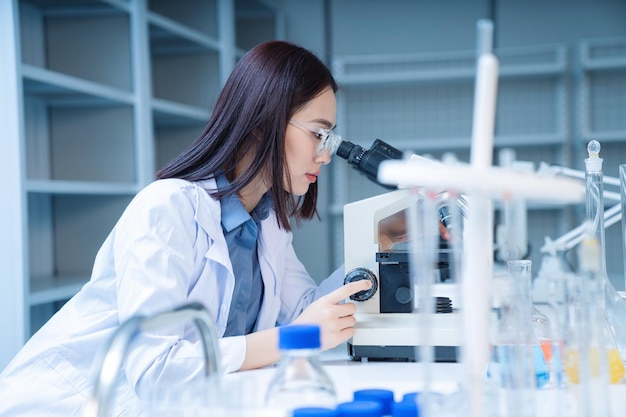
[118,344]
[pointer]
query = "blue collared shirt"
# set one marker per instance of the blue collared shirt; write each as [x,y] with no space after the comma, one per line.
[241,230]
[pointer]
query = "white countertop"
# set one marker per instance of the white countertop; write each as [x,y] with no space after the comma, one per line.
[248,387]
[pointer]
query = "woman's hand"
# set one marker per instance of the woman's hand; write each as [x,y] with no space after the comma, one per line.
[336,319]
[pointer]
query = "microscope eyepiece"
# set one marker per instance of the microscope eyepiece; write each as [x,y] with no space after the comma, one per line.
[367,161]
[345,148]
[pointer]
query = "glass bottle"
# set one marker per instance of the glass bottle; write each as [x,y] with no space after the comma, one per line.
[587,342]
[383,396]
[518,365]
[360,409]
[614,305]
[542,329]
[300,380]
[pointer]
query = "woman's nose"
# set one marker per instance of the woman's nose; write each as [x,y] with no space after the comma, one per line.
[324,157]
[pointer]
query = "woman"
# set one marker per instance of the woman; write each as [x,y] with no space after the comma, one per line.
[214,228]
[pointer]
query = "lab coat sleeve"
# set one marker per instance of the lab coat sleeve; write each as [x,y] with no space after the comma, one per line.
[233,353]
[155,264]
[299,289]
[330,284]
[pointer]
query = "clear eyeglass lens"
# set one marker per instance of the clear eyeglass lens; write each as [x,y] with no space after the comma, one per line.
[328,140]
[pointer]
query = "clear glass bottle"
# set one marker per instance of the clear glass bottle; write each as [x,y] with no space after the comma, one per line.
[543,332]
[300,380]
[517,366]
[587,346]
[384,396]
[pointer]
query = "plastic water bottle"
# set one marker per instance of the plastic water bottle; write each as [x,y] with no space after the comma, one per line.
[300,380]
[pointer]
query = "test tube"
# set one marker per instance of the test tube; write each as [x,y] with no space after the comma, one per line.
[622,181]
[515,348]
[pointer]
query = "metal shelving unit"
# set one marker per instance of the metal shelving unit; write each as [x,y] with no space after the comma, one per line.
[96,95]
[423,103]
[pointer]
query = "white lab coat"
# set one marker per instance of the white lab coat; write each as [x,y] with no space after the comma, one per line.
[167,249]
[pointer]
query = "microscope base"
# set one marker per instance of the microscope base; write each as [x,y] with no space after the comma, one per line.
[397,336]
[399,353]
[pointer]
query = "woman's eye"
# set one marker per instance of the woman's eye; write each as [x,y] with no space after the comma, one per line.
[319,135]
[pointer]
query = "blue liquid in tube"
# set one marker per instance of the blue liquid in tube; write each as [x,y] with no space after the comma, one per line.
[504,354]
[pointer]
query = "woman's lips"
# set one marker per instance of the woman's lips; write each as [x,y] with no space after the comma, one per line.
[311,177]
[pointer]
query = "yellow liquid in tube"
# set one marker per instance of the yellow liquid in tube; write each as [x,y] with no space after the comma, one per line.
[616,365]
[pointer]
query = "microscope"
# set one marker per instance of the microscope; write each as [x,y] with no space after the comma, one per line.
[387,327]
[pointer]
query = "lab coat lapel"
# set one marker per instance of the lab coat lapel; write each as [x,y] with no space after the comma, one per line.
[271,244]
[208,217]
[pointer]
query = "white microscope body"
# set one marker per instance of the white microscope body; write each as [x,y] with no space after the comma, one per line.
[382,332]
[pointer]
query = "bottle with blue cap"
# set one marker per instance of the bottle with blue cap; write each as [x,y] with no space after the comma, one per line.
[383,396]
[314,412]
[360,408]
[300,380]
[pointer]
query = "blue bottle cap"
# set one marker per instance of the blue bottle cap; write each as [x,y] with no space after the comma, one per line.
[299,336]
[360,409]
[383,396]
[405,409]
[314,412]
[411,397]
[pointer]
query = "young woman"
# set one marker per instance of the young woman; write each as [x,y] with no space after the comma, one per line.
[213,228]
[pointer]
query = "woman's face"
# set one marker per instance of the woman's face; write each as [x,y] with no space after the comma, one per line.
[301,143]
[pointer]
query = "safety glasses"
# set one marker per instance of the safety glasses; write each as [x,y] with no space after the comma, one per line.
[328,139]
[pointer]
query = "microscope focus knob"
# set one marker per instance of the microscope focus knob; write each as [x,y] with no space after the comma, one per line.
[359,274]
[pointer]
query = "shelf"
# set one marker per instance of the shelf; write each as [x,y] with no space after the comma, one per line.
[80,187]
[106,90]
[51,289]
[421,145]
[605,136]
[170,114]
[86,40]
[198,18]
[168,36]
[74,8]
[603,55]
[366,70]
[65,90]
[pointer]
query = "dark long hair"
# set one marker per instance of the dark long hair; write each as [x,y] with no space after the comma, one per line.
[267,86]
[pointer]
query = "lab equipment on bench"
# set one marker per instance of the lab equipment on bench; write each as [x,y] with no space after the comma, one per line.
[114,353]
[597,219]
[367,162]
[387,324]
[300,380]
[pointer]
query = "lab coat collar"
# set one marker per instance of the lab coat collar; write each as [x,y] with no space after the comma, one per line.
[272,244]
[208,216]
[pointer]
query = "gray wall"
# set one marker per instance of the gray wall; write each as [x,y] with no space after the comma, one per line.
[352,27]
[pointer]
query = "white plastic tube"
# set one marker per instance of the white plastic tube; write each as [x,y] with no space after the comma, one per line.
[487,182]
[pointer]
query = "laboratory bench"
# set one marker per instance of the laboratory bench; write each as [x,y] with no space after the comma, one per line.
[248,387]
